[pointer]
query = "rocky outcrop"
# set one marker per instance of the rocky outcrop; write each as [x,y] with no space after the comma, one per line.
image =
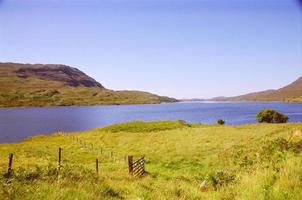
[68,75]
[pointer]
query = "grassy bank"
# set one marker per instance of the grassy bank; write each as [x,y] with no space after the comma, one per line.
[299,99]
[183,161]
[70,96]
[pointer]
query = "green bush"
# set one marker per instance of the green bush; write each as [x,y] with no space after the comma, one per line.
[271,116]
[220,122]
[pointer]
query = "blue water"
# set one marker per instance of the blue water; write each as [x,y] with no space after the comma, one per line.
[19,123]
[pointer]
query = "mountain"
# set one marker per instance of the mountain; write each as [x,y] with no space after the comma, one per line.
[58,73]
[192,100]
[58,85]
[291,92]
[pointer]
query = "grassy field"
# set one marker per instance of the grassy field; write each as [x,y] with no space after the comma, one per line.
[183,161]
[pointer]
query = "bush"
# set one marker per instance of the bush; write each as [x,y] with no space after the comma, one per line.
[221,178]
[271,116]
[220,122]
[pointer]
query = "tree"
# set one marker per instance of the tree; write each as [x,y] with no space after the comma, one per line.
[271,116]
[220,122]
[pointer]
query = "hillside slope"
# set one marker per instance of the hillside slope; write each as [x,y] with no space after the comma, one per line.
[183,162]
[51,85]
[291,92]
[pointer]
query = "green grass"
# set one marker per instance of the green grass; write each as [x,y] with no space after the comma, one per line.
[262,161]
[143,127]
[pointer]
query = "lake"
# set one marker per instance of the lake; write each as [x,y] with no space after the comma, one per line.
[19,123]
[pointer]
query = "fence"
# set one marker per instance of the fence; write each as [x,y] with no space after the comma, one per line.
[86,145]
[10,163]
[136,168]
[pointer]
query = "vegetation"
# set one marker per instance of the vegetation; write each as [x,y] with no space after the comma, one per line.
[271,116]
[143,127]
[59,85]
[289,93]
[220,122]
[182,161]
[298,99]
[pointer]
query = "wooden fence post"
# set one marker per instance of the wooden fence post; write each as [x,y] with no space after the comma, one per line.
[97,165]
[130,164]
[10,163]
[59,161]
[143,161]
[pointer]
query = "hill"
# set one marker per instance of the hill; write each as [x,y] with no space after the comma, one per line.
[52,85]
[183,161]
[291,92]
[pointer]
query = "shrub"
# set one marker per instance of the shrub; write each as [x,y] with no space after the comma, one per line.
[183,123]
[221,178]
[271,116]
[220,122]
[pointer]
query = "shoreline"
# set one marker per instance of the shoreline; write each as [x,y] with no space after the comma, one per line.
[192,125]
[126,104]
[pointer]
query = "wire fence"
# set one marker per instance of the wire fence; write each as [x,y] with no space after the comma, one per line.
[135,168]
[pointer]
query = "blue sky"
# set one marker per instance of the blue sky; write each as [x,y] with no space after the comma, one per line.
[178,48]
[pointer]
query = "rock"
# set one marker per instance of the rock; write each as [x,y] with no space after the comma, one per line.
[203,186]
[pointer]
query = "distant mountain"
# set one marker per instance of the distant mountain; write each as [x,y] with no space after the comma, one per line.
[193,99]
[221,98]
[291,92]
[51,85]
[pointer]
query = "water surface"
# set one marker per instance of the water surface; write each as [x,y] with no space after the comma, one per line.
[19,123]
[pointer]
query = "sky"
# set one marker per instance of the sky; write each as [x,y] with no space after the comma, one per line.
[176,48]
